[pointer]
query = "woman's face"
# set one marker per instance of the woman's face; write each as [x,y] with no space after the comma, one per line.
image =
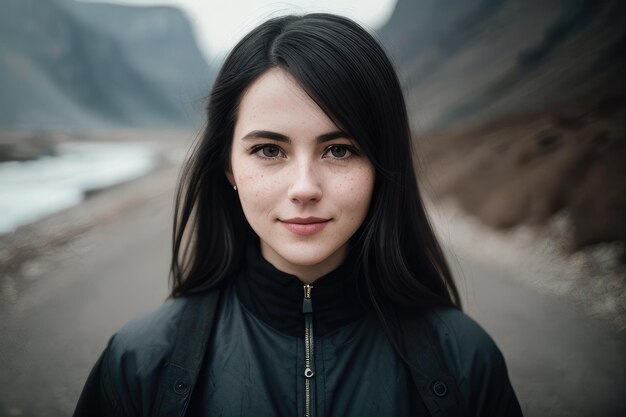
[304,186]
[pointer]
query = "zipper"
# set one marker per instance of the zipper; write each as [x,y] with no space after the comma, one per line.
[309,372]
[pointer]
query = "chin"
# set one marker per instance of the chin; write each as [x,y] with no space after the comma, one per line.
[308,259]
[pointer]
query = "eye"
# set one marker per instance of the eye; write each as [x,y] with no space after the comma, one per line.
[267,151]
[340,151]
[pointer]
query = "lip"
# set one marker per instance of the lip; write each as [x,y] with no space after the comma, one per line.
[308,220]
[308,226]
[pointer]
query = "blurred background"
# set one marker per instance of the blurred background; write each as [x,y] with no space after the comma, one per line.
[518,110]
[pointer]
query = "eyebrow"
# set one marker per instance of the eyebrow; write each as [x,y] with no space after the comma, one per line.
[266,134]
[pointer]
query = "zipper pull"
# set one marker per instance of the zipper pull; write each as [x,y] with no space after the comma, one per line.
[307,305]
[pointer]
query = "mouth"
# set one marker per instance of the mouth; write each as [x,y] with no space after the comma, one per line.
[308,220]
[307,226]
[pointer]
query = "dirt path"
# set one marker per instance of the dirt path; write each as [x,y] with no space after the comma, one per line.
[561,361]
[59,323]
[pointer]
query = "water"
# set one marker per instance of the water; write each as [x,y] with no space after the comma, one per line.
[35,189]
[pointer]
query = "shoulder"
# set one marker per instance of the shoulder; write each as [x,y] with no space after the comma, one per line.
[154,329]
[466,347]
[475,360]
[136,354]
[458,332]
[133,369]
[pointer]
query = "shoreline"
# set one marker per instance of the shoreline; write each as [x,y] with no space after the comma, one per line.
[99,205]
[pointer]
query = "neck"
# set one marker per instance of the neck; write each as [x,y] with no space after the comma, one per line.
[276,297]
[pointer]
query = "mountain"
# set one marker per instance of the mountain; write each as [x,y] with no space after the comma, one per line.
[73,65]
[468,62]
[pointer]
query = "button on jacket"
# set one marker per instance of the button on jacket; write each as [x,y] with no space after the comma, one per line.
[281,348]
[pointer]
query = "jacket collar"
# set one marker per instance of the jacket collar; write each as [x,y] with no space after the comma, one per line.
[275,297]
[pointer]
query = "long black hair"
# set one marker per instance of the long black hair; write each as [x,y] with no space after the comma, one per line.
[347,73]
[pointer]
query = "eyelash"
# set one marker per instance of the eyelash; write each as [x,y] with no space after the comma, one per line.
[256,150]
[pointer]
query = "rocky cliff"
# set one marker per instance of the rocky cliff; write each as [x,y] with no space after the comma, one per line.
[68,65]
[476,60]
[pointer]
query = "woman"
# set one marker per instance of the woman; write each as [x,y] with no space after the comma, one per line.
[306,277]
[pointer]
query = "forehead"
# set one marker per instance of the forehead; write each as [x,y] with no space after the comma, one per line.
[275,101]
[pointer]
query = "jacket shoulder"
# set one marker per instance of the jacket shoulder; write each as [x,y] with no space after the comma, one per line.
[475,360]
[136,354]
[458,332]
[127,377]
[154,329]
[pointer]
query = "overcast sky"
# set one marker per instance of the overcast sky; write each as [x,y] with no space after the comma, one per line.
[220,24]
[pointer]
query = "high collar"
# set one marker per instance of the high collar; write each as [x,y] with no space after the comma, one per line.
[276,297]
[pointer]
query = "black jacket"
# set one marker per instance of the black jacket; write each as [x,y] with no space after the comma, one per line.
[255,361]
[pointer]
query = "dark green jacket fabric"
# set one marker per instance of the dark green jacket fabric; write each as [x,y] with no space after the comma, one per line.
[125,380]
[250,361]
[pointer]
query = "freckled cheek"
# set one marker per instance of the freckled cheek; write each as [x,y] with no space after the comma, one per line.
[353,193]
[258,192]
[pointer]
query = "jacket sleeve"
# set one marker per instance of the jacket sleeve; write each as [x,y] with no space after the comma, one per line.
[480,368]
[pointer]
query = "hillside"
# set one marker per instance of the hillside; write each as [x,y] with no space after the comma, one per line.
[69,65]
[473,61]
[520,109]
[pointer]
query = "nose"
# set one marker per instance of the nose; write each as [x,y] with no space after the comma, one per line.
[305,185]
